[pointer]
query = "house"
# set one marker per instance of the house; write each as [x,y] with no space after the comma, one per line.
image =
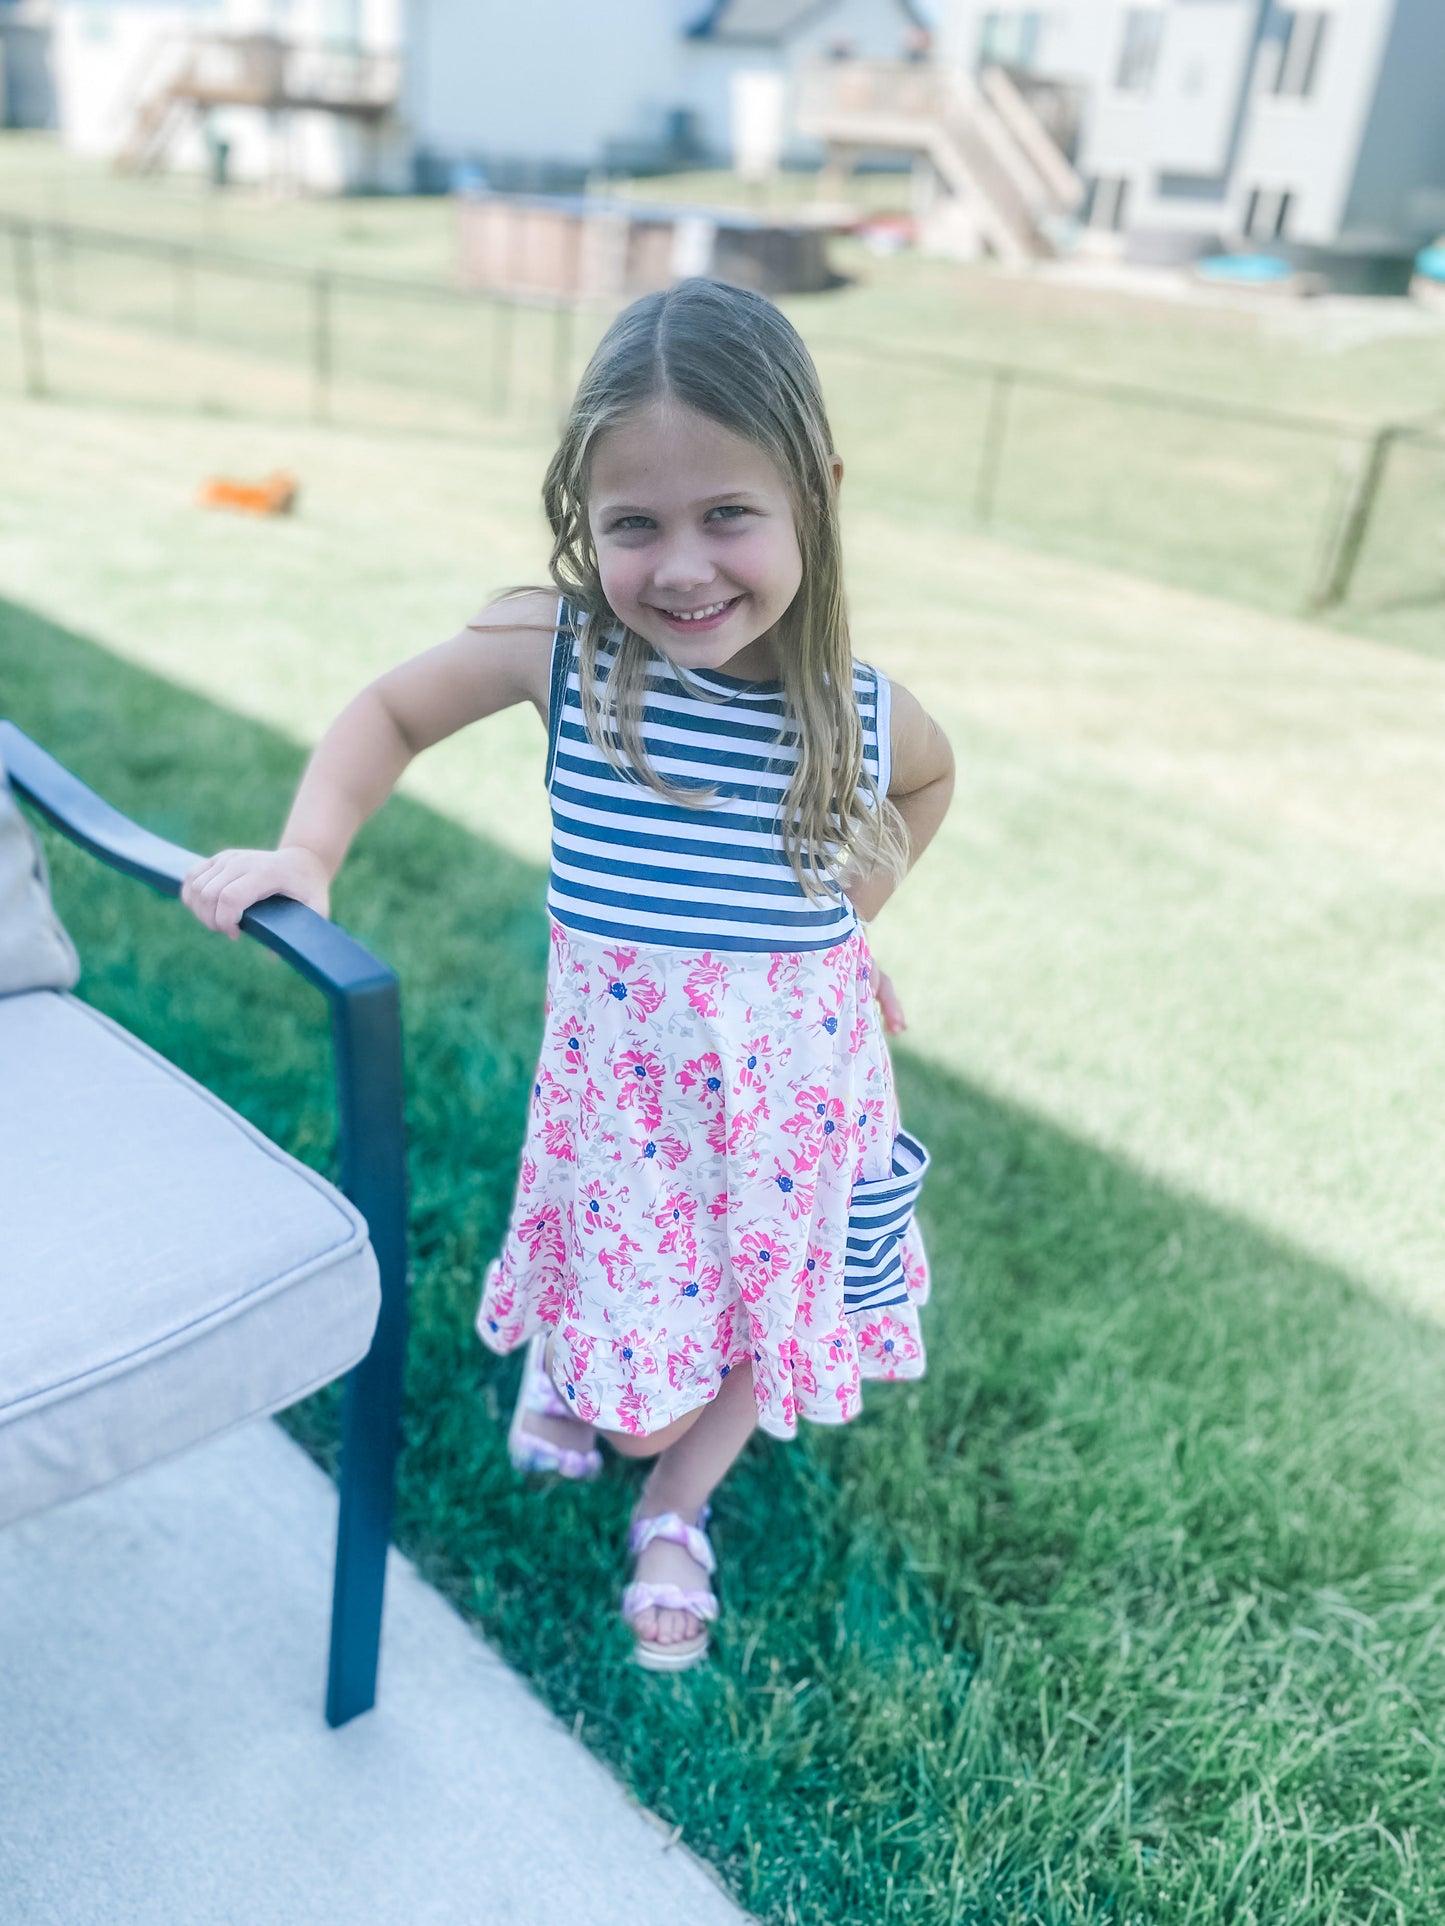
[333,94]
[1316,129]
[299,92]
[557,90]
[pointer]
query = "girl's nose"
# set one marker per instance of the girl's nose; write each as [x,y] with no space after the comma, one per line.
[683,565]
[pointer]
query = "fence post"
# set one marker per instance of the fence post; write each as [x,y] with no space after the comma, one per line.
[27,307]
[562,318]
[1341,555]
[504,317]
[183,260]
[991,455]
[321,347]
[64,264]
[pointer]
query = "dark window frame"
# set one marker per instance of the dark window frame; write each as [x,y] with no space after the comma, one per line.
[1301,49]
[1139,49]
[1026,22]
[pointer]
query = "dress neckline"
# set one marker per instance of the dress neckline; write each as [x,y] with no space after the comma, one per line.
[725,686]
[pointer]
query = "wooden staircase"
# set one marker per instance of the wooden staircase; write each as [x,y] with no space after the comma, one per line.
[188,73]
[996,182]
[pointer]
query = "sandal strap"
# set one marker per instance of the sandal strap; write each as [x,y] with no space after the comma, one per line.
[674,1530]
[532,1453]
[641,1596]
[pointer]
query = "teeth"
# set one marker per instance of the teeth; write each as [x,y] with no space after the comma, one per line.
[696,615]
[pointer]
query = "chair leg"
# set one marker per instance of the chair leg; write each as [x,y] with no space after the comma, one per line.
[370,1435]
[373,1158]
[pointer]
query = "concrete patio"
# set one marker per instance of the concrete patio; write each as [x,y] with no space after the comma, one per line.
[165,1758]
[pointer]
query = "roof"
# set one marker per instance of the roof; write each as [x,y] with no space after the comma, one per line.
[770,22]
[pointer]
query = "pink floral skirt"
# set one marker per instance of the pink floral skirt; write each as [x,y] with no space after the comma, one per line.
[699,1126]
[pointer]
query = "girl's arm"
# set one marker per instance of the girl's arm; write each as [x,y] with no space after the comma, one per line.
[920,789]
[500,659]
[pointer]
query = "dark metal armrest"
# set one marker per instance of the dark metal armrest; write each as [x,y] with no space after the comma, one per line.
[366,1040]
[321,951]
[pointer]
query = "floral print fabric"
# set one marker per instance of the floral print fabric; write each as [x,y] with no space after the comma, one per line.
[697,1125]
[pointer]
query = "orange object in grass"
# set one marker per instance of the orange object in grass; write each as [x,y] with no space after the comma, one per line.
[275,495]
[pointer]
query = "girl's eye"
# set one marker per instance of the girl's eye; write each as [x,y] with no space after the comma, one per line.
[630,524]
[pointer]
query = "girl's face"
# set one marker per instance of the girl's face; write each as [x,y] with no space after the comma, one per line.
[696,547]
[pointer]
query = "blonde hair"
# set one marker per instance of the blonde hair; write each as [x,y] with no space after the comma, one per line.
[730,355]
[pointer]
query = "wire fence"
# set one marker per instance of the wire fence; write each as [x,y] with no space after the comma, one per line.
[241,331]
[1279,509]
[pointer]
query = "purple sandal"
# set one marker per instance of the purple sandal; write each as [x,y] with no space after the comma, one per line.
[642,1594]
[528,1450]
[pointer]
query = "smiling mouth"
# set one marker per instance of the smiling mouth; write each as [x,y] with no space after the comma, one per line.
[689,618]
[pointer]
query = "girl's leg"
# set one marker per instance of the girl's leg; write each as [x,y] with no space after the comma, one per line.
[693,1455]
[572,1434]
[687,1472]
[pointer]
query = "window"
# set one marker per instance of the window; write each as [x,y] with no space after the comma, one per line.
[1010,40]
[1107,202]
[1300,38]
[1267,214]
[1139,55]
[1191,187]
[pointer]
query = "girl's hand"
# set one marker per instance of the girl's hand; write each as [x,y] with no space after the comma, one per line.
[221,888]
[887,997]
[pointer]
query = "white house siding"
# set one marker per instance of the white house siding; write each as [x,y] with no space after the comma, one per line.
[549,82]
[561,80]
[1310,148]
[552,80]
[1182,124]
[1079,44]
[1076,42]
[102,57]
[875,29]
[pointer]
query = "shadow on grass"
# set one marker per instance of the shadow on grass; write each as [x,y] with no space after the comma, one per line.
[1128,1610]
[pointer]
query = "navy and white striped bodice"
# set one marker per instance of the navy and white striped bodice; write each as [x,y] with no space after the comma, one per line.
[630,866]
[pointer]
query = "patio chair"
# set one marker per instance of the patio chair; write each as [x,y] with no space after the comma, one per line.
[166,1272]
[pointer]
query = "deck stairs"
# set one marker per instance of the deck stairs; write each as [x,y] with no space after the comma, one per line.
[185,74]
[993,179]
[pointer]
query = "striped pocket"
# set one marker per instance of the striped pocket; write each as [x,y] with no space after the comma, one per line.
[879,1213]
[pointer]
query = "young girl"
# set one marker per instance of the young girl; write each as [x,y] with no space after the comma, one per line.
[713,1225]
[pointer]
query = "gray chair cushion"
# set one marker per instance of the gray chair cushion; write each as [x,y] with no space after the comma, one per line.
[165,1271]
[35,952]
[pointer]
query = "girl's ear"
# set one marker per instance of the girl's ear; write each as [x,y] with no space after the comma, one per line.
[837,473]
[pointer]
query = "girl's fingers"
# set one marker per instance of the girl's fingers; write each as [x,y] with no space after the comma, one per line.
[194,880]
[214,890]
[237,897]
[202,888]
[220,889]
[893,1017]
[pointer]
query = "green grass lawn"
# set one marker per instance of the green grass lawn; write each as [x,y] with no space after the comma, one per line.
[1130,1610]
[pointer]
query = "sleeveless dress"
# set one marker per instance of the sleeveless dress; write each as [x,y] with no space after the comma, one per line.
[713,1170]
